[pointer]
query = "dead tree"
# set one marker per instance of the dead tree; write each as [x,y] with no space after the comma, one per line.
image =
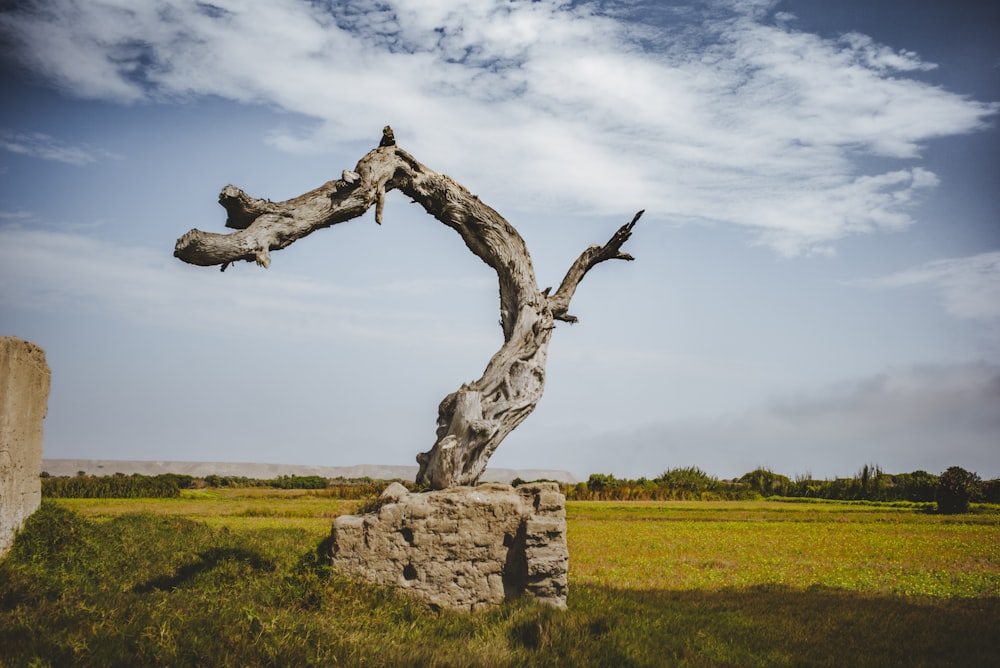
[473,420]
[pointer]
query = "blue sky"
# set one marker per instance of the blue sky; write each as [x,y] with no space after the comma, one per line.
[817,276]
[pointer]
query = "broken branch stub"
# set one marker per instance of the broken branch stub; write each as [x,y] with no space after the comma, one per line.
[473,420]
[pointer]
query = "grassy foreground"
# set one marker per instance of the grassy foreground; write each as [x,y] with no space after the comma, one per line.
[233,579]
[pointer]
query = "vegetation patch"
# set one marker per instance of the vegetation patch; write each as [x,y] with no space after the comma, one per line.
[178,582]
[953,490]
[715,546]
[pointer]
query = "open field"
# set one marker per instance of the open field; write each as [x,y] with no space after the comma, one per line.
[719,545]
[312,511]
[232,577]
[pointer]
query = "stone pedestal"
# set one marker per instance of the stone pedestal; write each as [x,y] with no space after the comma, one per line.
[24,395]
[464,548]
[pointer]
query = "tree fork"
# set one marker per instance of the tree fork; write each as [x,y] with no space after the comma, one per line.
[473,420]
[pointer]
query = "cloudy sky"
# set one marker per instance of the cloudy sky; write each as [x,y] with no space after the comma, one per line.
[817,276]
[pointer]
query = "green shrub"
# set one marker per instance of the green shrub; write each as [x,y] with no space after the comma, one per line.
[687,479]
[991,491]
[956,488]
[299,482]
[767,483]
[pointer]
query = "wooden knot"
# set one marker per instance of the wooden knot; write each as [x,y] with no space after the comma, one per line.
[388,138]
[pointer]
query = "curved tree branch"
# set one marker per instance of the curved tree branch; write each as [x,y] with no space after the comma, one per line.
[589,259]
[473,420]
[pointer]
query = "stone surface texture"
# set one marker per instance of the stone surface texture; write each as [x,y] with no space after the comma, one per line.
[465,548]
[24,395]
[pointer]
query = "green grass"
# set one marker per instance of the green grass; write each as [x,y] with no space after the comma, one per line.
[238,509]
[711,546]
[234,579]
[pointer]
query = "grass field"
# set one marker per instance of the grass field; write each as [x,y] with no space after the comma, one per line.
[720,545]
[232,577]
[236,509]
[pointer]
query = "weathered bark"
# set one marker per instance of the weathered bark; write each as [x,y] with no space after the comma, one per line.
[473,420]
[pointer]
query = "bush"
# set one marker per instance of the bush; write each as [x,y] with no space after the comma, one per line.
[767,483]
[687,479]
[299,482]
[991,491]
[956,488]
[916,486]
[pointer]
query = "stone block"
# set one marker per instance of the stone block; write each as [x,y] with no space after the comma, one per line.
[394,492]
[391,513]
[543,529]
[551,502]
[547,565]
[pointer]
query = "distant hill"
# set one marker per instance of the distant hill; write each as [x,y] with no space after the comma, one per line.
[69,467]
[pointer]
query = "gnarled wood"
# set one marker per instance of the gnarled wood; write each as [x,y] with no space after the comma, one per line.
[473,420]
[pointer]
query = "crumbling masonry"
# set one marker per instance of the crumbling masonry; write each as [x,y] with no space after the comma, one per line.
[463,548]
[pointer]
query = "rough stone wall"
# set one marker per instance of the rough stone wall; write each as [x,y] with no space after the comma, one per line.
[465,547]
[24,395]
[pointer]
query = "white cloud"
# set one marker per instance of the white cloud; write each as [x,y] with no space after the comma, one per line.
[882,57]
[545,106]
[40,145]
[969,287]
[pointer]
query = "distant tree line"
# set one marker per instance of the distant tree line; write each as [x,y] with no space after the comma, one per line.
[870,483]
[680,484]
[953,490]
[169,485]
[340,488]
[118,486]
[281,482]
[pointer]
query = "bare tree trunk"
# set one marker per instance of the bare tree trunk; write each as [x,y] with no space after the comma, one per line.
[473,420]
